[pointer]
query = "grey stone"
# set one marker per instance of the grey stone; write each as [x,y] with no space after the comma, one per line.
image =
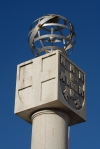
[51,81]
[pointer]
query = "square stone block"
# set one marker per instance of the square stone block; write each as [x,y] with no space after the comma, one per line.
[51,81]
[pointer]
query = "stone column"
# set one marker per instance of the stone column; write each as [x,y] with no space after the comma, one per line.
[50,81]
[49,130]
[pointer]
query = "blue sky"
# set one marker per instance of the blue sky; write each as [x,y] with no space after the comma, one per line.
[15,20]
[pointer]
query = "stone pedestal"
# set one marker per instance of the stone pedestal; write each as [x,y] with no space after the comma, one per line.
[49,130]
[45,86]
[51,81]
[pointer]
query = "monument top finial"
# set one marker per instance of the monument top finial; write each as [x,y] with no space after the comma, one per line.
[51,32]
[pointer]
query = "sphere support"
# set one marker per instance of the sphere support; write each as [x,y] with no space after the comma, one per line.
[49,130]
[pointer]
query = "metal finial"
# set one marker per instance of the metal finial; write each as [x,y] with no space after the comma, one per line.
[51,32]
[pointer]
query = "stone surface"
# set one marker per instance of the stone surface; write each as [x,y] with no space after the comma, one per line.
[49,130]
[50,81]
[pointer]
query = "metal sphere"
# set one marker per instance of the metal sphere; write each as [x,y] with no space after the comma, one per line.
[51,32]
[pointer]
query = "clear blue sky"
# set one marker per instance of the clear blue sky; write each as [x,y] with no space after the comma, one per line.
[15,20]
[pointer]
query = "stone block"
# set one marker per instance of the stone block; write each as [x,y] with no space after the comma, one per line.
[51,81]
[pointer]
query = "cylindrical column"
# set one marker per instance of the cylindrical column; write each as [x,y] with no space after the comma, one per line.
[49,130]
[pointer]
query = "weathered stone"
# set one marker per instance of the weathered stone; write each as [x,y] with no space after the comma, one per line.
[39,85]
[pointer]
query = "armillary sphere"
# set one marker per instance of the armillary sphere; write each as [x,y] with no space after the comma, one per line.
[51,32]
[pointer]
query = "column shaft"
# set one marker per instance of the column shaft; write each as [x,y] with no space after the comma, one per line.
[49,130]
